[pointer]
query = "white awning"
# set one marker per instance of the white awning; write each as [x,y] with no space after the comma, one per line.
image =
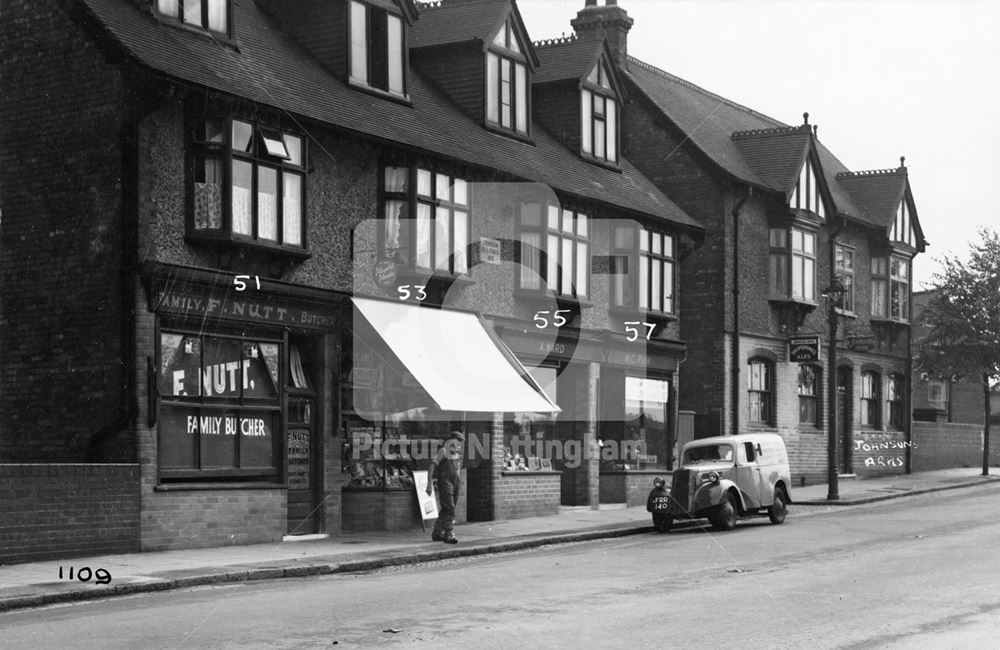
[455,359]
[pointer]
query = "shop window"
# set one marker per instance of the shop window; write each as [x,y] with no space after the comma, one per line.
[809,387]
[650,287]
[425,220]
[894,401]
[378,48]
[599,116]
[845,271]
[760,391]
[793,264]
[555,250]
[870,383]
[210,15]
[507,81]
[220,407]
[248,184]
[530,444]
[644,440]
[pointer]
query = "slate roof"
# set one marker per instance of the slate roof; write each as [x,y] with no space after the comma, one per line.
[565,59]
[877,192]
[776,154]
[458,21]
[268,68]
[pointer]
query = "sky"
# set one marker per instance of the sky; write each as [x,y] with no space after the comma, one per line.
[881,79]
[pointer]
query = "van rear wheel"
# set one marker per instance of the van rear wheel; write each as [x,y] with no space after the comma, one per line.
[726,513]
[776,513]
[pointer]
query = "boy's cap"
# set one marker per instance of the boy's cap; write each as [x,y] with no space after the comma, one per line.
[457,435]
[658,481]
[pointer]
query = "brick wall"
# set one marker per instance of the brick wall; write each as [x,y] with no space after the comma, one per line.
[63,122]
[527,494]
[631,488]
[878,453]
[937,445]
[50,511]
[381,510]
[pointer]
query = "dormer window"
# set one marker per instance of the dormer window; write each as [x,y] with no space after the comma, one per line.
[210,15]
[806,196]
[378,52]
[599,116]
[507,81]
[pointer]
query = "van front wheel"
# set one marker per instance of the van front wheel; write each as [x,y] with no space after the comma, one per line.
[776,513]
[726,513]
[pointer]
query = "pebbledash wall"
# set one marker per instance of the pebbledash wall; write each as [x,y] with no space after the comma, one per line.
[67,510]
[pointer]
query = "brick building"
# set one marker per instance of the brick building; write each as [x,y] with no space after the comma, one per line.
[779,210]
[216,216]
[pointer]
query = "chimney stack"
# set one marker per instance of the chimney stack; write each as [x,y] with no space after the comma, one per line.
[608,21]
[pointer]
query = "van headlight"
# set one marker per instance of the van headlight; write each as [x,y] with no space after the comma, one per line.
[708,477]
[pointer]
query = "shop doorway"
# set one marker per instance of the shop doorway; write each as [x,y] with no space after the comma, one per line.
[300,455]
[844,428]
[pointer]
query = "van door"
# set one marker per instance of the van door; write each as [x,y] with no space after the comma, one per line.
[748,475]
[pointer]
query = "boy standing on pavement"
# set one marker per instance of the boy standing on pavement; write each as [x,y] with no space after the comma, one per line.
[447,466]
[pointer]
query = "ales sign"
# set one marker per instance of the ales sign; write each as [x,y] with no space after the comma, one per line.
[803,349]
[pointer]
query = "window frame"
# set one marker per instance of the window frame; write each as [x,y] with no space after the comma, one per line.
[846,274]
[273,406]
[813,398]
[593,90]
[870,396]
[493,94]
[643,260]
[899,280]
[202,148]
[413,199]
[761,410]
[895,400]
[545,232]
[783,248]
[162,9]
[378,36]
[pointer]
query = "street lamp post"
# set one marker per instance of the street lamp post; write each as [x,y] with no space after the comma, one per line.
[833,294]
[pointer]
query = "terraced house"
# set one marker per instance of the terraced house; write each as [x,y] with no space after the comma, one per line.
[255,253]
[785,221]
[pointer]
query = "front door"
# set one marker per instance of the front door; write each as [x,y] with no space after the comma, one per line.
[299,458]
[844,429]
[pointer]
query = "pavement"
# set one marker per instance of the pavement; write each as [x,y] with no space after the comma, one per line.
[38,583]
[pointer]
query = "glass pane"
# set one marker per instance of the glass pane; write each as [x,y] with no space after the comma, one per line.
[222,372]
[809,243]
[218,15]
[396,178]
[442,187]
[293,145]
[553,217]
[566,281]
[582,262]
[500,39]
[461,191]
[552,272]
[598,106]
[779,238]
[393,231]
[257,439]
[359,42]
[180,364]
[586,122]
[644,240]
[423,182]
[531,260]
[668,246]
[581,224]
[492,79]
[274,143]
[611,124]
[461,242]
[505,93]
[808,279]
[291,209]
[644,282]
[208,193]
[217,428]
[599,138]
[395,37]
[192,12]
[656,304]
[521,98]
[215,130]
[594,76]
[512,40]
[242,136]
[423,236]
[178,432]
[657,243]
[168,8]
[261,363]
[242,197]
[668,287]
[442,242]
[797,240]
[567,221]
[797,275]
[267,203]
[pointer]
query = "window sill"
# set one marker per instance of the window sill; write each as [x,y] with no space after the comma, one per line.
[794,302]
[204,32]
[601,162]
[890,322]
[378,92]
[222,485]
[547,297]
[225,240]
[530,472]
[509,133]
[651,316]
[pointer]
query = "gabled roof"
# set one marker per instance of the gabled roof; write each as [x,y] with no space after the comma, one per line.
[878,193]
[775,154]
[458,21]
[269,68]
[562,59]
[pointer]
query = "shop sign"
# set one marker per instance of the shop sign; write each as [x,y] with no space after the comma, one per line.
[246,309]
[298,459]
[803,349]
[643,389]
[385,273]
[489,250]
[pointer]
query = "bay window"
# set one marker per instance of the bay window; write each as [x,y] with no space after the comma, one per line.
[793,264]
[377,48]
[555,250]
[249,183]
[507,82]
[425,219]
[845,271]
[899,288]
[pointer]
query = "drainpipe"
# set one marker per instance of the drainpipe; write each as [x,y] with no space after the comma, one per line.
[735,352]
[832,467]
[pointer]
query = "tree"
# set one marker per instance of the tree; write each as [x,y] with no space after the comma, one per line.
[963,323]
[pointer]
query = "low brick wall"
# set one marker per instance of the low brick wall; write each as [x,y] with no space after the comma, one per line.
[371,510]
[938,445]
[630,487]
[50,511]
[527,494]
